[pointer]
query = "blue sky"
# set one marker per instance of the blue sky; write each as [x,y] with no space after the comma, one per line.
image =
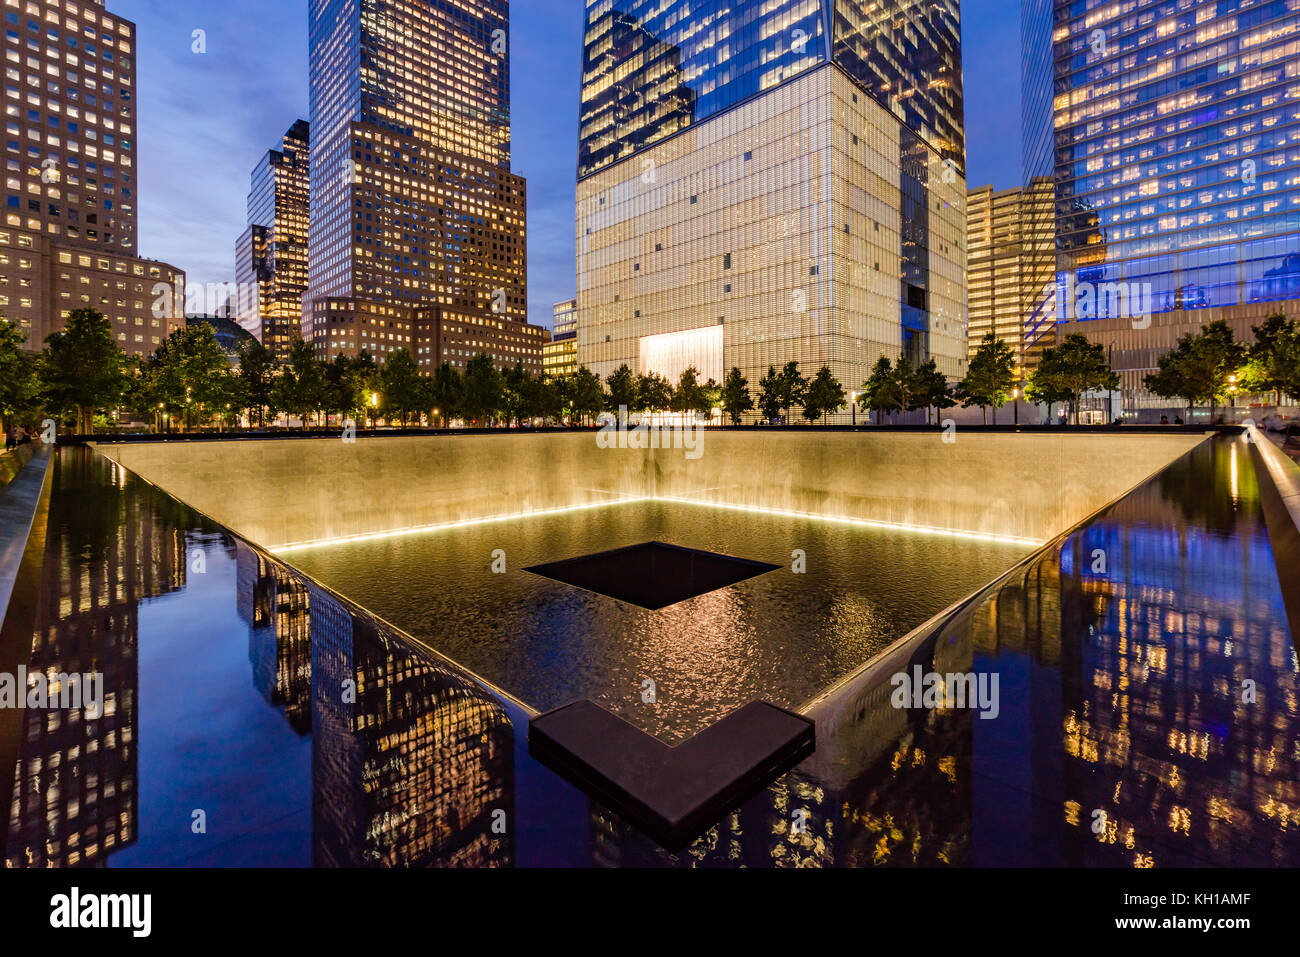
[206,119]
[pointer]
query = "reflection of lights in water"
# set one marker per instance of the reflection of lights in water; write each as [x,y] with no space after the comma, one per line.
[1235,498]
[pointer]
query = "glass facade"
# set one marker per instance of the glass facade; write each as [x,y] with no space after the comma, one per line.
[652,68]
[907,54]
[271,255]
[1011,242]
[1177,148]
[1035,88]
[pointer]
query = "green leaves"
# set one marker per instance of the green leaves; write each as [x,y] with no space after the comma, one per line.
[990,376]
[83,368]
[1200,368]
[19,384]
[736,400]
[1070,369]
[823,396]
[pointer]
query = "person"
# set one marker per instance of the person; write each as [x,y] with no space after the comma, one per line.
[11,438]
[1164,420]
[1178,420]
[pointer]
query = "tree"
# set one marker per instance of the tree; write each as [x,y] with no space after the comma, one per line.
[587,396]
[736,400]
[483,397]
[824,395]
[83,368]
[258,370]
[1273,360]
[622,390]
[769,396]
[515,378]
[19,382]
[907,387]
[880,391]
[794,387]
[691,396]
[364,382]
[1198,368]
[990,376]
[444,393]
[933,390]
[301,386]
[1072,368]
[654,393]
[402,388]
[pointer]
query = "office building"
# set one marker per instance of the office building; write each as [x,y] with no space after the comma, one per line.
[561,353]
[271,254]
[69,236]
[1176,155]
[1011,252]
[751,192]
[417,235]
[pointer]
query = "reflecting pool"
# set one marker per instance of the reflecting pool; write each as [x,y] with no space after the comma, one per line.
[839,595]
[1147,715]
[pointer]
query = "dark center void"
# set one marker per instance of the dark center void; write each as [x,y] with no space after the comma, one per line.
[653,575]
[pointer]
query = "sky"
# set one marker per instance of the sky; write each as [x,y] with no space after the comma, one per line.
[206,119]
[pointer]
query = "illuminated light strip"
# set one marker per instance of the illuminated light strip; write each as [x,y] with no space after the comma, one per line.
[444,526]
[862,522]
[759,510]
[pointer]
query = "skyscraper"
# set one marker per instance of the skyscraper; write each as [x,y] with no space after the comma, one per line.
[417,233]
[71,190]
[761,182]
[561,353]
[1176,155]
[1011,243]
[271,255]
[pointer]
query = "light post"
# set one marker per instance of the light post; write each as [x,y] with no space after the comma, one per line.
[1110,393]
[1232,391]
[374,410]
[1015,403]
[855,410]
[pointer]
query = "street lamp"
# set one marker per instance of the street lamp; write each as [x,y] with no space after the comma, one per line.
[855,409]
[1110,394]
[1232,391]
[1015,403]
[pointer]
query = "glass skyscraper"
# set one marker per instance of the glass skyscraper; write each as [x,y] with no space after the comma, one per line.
[417,233]
[1176,155]
[271,254]
[763,181]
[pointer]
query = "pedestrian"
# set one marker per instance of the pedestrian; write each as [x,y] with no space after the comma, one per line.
[1164,420]
[11,438]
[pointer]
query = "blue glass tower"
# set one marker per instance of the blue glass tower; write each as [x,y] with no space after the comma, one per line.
[1176,154]
[654,67]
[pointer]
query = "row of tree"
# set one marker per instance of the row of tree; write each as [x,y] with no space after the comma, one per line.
[190,381]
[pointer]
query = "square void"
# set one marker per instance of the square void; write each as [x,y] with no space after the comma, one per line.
[653,575]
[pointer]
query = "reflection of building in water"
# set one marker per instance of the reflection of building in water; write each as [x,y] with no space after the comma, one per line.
[1163,735]
[1123,661]
[890,787]
[411,763]
[276,608]
[74,799]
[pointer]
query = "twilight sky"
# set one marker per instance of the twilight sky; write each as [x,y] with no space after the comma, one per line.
[206,120]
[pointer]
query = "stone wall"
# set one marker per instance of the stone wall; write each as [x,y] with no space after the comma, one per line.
[1027,486]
